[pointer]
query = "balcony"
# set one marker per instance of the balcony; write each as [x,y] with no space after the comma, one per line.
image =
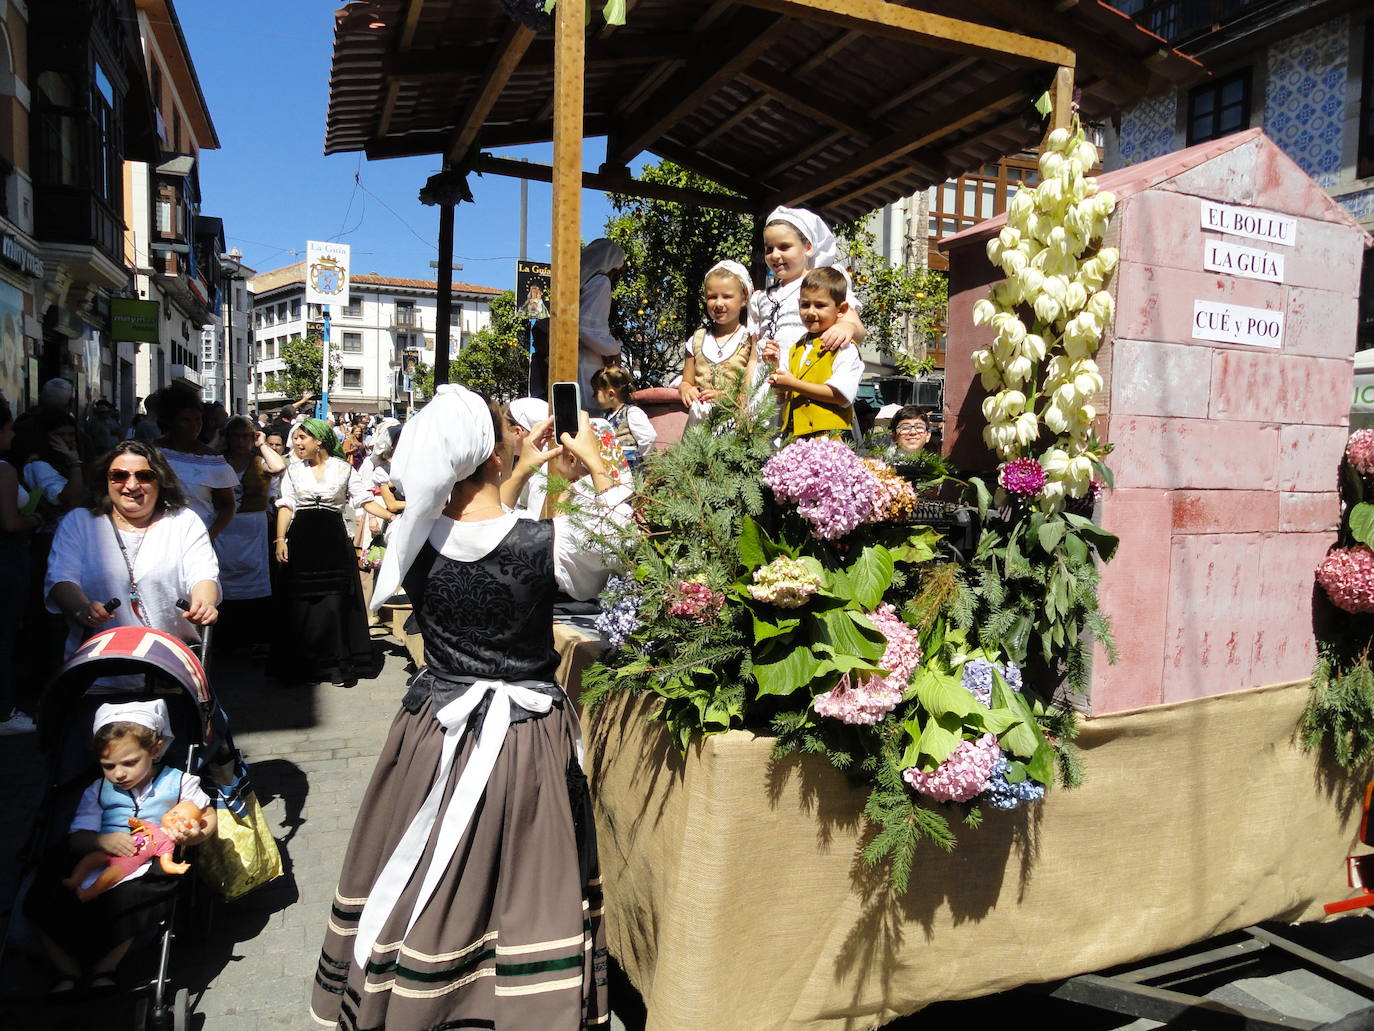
[75,215]
[185,374]
[405,318]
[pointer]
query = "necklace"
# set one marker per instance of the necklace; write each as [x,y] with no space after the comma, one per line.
[135,599]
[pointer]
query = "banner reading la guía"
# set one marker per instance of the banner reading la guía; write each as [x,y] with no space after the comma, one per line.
[326,272]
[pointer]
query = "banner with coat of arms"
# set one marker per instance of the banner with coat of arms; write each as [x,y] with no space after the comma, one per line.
[326,272]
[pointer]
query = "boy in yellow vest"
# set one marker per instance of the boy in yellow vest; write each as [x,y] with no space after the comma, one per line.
[816,387]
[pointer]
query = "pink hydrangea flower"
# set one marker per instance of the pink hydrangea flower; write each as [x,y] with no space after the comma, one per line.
[696,601]
[1347,576]
[827,482]
[1359,450]
[895,498]
[964,775]
[872,698]
[1024,476]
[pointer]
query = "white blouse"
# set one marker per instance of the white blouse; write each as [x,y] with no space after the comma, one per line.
[174,556]
[340,486]
[776,313]
[200,475]
[580,567]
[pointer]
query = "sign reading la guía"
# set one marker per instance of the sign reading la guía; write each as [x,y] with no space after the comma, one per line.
[1235,260]
[1237,324]
[326,272]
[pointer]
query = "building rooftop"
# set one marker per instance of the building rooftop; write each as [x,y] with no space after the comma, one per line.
[275,279]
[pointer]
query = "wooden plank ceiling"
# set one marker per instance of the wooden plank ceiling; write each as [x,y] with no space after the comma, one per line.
[782,101]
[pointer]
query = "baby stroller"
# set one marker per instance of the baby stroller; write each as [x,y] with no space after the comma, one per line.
[171,671]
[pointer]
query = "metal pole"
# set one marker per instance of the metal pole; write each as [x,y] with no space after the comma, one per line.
[324,371]
[444,301]
[229,345]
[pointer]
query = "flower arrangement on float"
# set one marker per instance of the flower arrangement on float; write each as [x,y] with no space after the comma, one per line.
[796,593]
[1340,709]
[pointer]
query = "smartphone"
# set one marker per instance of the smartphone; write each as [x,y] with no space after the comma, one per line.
[567,409]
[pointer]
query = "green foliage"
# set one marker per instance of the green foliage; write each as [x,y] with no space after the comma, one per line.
[1033,582]
[303,359]
[893,297]
[496,360]
[669,247]
[1341,707]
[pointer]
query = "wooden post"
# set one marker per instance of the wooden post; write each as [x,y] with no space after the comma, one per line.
[444,298]
[568,71]
[1061,99]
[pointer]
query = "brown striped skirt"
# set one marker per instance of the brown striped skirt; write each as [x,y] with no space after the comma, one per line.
[512,936]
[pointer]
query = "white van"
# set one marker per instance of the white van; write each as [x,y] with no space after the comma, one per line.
[1362,401]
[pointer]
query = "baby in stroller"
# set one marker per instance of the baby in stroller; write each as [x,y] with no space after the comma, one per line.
[135,788]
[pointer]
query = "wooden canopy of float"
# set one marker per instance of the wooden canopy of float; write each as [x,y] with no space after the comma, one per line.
[839,105]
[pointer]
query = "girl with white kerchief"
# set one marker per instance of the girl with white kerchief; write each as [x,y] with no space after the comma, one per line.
[477,844]
[722,354]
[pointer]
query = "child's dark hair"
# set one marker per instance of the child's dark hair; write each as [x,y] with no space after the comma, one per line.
[148,739]
[829,279]
[614,378]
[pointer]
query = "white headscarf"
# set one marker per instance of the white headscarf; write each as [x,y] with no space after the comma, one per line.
[446,442]
[735,269]
[384,439]
[599,257]
[152,714]
[529,411]
[813,227]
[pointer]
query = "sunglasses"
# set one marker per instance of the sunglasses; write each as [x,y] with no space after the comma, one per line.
[141,475]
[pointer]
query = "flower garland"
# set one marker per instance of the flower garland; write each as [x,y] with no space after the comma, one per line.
[1041,377]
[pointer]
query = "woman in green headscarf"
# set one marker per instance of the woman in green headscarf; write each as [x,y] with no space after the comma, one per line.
[323,627]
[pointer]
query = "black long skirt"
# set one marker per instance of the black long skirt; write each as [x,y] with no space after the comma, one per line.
[322,629]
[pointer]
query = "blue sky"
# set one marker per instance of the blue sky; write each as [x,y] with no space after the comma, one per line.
[264,67]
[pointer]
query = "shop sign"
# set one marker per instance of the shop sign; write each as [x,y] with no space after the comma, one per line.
[20,256]
[1235,260]
[1237,324]
[1251,222]
[326,275]
[134,320]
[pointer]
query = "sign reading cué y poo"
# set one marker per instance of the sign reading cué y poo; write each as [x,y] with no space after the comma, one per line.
[1236,323]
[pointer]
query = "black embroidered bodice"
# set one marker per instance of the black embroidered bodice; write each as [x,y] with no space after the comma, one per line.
[492,618]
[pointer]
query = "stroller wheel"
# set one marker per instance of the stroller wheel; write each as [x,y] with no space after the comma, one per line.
[181,1010]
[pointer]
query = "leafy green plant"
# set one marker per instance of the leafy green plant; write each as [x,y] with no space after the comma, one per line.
[495,361]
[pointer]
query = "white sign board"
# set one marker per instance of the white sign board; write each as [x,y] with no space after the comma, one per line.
[1235,260]
[1251,222]
[1237,324]
[326,272]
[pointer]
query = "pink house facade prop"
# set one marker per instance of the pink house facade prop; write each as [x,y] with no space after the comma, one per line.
[1227,381]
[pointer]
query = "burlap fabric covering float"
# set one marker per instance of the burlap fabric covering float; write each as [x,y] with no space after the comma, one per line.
[735,903]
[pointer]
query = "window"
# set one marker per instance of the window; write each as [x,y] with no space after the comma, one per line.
[353,379]
[353,309]
[1219,108]
[269,316]
[1364,330]
[455,315]
[296,309]
[281,312]
[405,313]
[352,343]
[314,312]
[973,197]
[107,173]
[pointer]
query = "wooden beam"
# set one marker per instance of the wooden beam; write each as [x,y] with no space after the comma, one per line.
[513,135]
[908,24]
[731,178]
[489,164]
[500,68]
[409,21]
[826,53]
[1061,99]
[458,61]
[570,41]
[916,134]
[697,82]
[1094,49]
[726,125]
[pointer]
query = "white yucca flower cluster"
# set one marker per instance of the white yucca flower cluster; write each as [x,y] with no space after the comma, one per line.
[1044,375]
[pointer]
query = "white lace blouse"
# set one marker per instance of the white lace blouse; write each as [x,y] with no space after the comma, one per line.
[340,486]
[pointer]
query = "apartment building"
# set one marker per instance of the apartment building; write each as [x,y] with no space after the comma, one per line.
[227,343]
[387,324]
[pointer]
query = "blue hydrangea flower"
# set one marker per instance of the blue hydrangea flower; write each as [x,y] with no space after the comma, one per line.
[619,616]
[1002,794]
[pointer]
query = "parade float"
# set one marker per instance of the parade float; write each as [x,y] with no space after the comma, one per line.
[802,821]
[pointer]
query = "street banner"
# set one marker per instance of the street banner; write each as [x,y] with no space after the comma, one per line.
[532,289]
[134,320]
[326,272]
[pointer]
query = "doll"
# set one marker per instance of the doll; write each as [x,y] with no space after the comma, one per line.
[151,841]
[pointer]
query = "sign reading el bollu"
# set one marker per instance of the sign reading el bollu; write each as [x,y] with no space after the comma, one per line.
[134,320]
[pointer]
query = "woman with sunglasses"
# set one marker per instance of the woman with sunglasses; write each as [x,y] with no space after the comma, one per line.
[138,544]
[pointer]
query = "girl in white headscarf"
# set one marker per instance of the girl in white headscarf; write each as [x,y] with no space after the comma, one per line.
[724,351]
[795,240]
[470,892]
[602,261]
